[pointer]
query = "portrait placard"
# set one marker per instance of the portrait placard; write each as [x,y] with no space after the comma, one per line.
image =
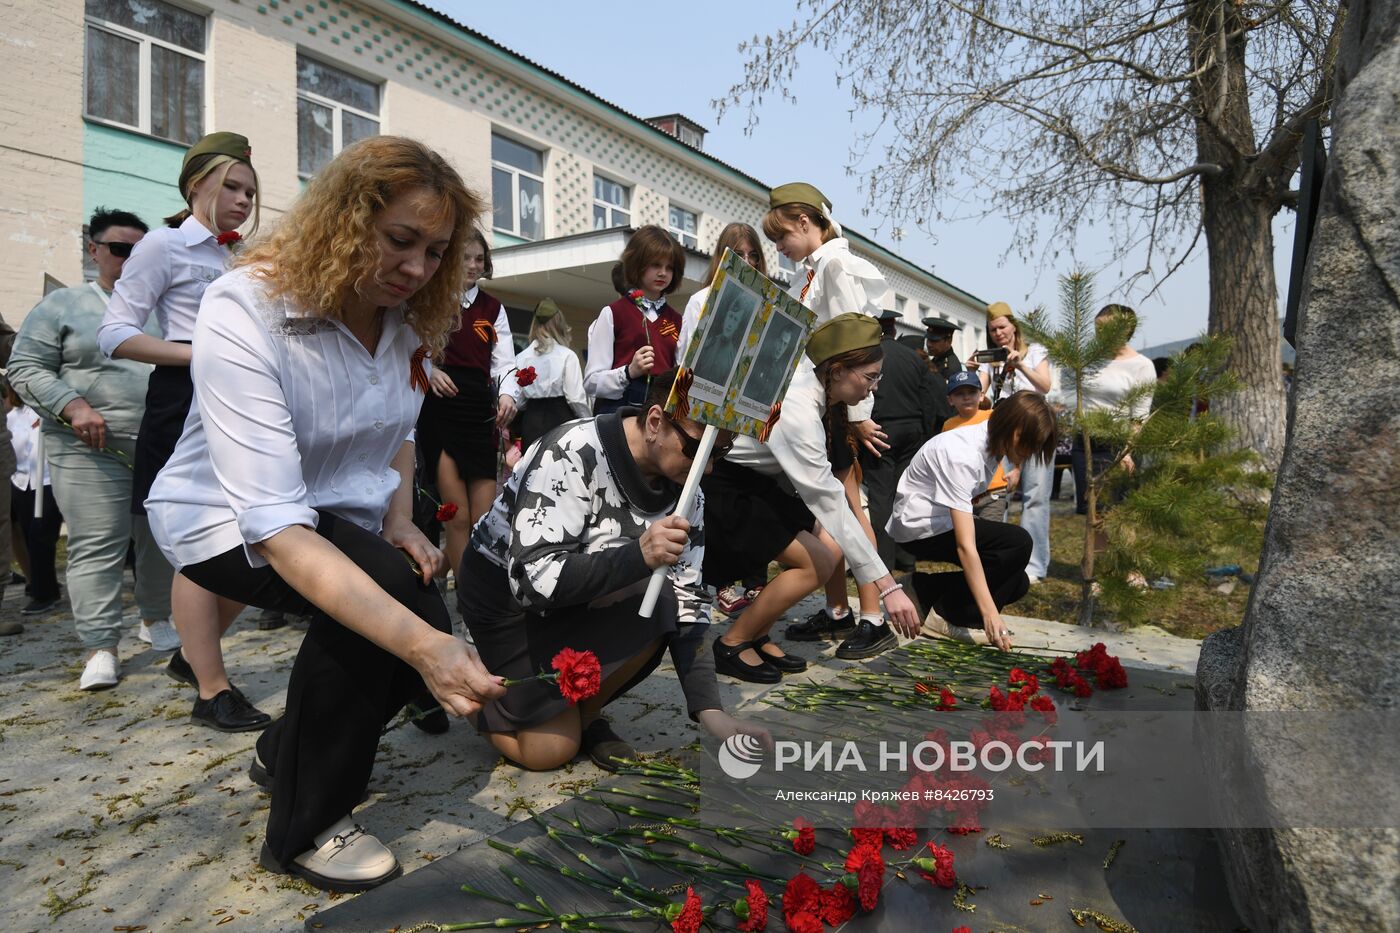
[747,342]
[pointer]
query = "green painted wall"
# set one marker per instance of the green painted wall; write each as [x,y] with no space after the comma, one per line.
[129,172]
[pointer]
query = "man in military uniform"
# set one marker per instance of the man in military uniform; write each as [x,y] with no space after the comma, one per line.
[910,404]
[938,341]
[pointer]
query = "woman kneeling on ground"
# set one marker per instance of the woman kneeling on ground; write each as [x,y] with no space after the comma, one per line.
[933,518]
[291,488]
[562,560]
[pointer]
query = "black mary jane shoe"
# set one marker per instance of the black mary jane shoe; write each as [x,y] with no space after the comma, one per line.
[787,664]
[727,661]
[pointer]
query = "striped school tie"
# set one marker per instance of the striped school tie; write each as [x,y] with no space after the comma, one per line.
[811,274]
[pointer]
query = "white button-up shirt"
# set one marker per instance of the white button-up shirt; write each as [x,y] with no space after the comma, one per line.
[557,373]
[167,274]
[797,449]
[291,413]
[841,282]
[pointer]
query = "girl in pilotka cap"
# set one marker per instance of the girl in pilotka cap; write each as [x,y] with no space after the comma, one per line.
[166,276]
[779,501]
[831,280]
[549,376]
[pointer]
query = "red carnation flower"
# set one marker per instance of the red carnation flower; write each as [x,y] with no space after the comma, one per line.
[1046,707]
[871,877]
[691,915]
[869,867]
[902,839]
[525,376]
[228,237]
[938,867]
[1111,676]
[446,512]
[947,700]
[580,674]
[997,699]
[805,839]
[636,295]
[802,895]
[838,904]
[804,921]
[753,909]
[962,929]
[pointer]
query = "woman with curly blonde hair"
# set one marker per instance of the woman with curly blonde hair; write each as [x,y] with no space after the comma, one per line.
[291,488]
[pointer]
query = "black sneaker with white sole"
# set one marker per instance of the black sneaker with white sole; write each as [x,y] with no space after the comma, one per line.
[869,640]
[820,626]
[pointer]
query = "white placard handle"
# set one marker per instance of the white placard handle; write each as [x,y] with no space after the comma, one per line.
[692,482]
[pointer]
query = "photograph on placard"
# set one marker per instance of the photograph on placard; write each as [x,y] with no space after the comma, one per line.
[724,333]
[772,365]
[748,323]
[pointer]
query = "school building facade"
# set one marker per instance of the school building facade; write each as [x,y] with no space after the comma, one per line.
[104,95]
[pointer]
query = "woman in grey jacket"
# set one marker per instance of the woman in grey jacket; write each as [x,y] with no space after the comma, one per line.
[91,407]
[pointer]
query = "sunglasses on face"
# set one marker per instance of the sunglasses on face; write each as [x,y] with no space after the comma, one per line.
[116,247]
[690,446]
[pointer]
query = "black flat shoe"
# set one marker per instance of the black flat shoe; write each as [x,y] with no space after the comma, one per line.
[727,661]
[787,664]
[603,746]
[37,607]
[868,641]
[819,626]
[229,711]
[178,668]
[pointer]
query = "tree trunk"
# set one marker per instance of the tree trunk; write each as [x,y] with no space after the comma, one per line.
[1244,307]
[1236,211]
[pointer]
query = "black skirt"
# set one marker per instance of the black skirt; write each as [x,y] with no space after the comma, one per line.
[514,643]
[463,426]
[749,520]
[169,394]
[542,415]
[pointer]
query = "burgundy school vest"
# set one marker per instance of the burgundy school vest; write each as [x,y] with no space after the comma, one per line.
[471,344]
[631,330]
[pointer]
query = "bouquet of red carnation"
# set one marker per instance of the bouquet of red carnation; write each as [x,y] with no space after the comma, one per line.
[525,376]
[578,674]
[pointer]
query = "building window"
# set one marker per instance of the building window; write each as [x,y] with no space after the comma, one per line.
[900,303]
[517,188]
[611,204]
[334,109]
[684,225]
[923,311]
[145,68]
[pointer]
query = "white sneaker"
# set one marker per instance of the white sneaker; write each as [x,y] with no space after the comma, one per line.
[346,859]
[159,635]
[935,626]
[100,672]
[1033,580]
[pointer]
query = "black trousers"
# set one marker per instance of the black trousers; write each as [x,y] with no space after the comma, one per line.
[905,436]
[1005,551]
[1103,456]
[40,540]
[343,689]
